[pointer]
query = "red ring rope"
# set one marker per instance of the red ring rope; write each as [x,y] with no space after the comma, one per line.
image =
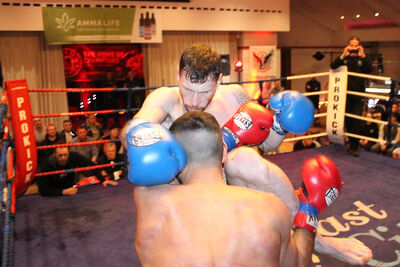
[88,143]
[71,90]
[80,169]
[80,113]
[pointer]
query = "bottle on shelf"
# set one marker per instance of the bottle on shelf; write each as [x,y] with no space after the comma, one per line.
[141,26]
[153,24]
[147,27]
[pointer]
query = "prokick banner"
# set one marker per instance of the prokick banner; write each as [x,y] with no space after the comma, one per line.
[336,104]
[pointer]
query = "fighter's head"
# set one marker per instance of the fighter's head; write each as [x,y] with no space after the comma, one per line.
[199,74]
[200,135]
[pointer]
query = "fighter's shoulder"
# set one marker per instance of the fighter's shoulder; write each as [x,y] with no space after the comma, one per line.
[260,198]
[154,193]
[234,92]
[166,93]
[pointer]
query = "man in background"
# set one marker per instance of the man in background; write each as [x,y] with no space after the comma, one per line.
[356,60]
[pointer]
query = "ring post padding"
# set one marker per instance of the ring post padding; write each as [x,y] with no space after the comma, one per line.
[336,104]
[25,144]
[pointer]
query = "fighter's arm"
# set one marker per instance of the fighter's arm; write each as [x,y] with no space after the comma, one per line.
[155,108]
[296,246]
[240,95]
[298,250]
[157,105]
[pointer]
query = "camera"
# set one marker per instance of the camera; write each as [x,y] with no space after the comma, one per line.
[353,51]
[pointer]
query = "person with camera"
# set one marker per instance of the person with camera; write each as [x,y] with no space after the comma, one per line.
[356,60]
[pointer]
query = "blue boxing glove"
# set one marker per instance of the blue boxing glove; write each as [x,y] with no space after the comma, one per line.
[155,155]
[294,112]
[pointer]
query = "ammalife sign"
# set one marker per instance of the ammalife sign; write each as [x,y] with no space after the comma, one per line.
[87,25]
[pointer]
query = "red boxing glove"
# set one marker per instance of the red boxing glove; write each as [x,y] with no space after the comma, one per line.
[249,126]
[321,186]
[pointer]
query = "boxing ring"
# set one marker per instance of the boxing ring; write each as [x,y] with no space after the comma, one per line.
[96,227]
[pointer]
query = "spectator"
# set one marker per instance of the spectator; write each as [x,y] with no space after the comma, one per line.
[323,141]
[395,137]
[355,59]
[113,135]
[369,129]
[313,85]
[276,88]
[110,155]
[95,130]
[109,81]
[40,132]
[62,184]
[108,100]
[88,151]
[385,111]
[50,139]
[396,153]
[137,96]
[67,134]
[306,143]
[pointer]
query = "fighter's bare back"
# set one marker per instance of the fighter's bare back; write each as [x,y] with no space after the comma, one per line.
[210,226]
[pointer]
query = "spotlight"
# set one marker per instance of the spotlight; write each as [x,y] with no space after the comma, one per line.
[318,56]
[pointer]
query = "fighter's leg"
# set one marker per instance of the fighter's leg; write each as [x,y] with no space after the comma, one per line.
[244,167]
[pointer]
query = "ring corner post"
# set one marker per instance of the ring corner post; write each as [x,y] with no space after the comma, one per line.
[24,134]
[336,104]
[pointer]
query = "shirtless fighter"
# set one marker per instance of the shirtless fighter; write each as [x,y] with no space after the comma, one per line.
[199,76]
[205,222]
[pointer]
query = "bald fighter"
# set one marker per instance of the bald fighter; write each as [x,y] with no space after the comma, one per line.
[243,124]
[205,222]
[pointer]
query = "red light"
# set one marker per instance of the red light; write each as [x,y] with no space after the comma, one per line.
[238,66]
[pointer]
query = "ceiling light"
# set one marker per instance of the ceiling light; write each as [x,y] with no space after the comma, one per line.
[376,14]
[342,17]
[358,16]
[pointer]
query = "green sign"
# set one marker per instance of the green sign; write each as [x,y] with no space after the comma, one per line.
[87,25]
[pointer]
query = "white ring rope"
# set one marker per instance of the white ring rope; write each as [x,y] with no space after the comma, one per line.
[366,119]
[316,93]
[294,77]
[369,76]
[305,137]
[325,92]
[365,137]
[368,95]
[320,115]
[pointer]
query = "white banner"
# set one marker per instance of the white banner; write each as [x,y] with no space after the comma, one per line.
[336,104]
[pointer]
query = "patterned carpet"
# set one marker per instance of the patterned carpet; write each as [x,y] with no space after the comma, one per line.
[97,226]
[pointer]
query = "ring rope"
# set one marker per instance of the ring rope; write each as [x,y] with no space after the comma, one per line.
[368,95]
[378,140]
[294,77]
[324,92]
[83,113]
[80,90]
[374,77]
[365,118]
[88,143]
[80,169]
[3,109]
[305,137]
[318,115]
